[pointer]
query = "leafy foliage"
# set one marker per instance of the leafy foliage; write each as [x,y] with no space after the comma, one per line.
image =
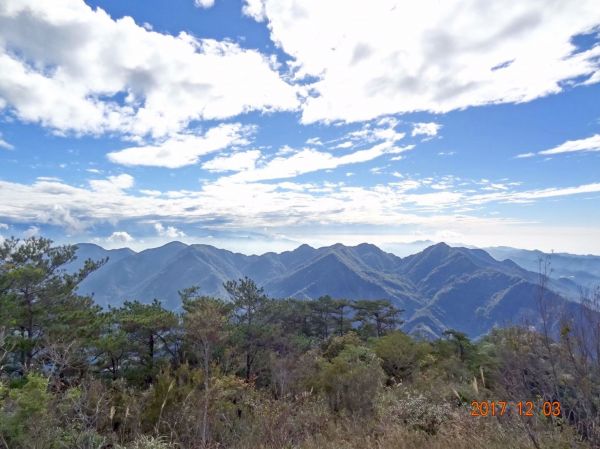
[253,372]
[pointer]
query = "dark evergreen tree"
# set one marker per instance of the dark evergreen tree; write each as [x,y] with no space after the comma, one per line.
[45,322]
[380,315]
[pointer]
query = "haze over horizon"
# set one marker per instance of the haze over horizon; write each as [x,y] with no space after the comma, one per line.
[260,125]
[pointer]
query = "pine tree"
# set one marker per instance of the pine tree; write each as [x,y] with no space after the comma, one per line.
[151,331]
[250,305]
[45,321]
[381,315]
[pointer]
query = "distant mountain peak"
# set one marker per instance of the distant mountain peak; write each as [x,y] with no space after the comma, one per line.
[368,246]
[174,243]
[441,286]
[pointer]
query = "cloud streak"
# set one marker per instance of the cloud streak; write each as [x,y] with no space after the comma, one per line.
[571,146]
[589,144]
[183,149]
[5,145]
[243,204]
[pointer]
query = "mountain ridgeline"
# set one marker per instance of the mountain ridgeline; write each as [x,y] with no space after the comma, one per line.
[438,288]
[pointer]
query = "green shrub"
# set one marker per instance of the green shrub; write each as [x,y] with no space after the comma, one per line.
[25,421]
[351,380]
[401,355]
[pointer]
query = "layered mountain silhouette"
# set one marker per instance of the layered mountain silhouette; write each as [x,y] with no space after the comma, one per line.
[440,287]
[581,269]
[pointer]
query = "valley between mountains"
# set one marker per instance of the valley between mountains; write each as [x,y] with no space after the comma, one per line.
[438,288]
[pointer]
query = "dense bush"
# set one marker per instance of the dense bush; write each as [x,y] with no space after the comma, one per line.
[352,380]
[257,373]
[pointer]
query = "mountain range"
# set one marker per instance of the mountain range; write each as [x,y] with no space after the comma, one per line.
[584,270]
[438,288]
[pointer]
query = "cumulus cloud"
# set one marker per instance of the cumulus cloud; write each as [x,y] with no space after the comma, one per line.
[393,57]
[240,161]
[429,129]
[112,183]
[204,3]
[84,72]
[183,149]
[170,231]
[119,237]
[254,9]
[31,231]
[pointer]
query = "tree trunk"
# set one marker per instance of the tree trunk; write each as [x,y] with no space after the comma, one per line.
[248,366]
[206,391]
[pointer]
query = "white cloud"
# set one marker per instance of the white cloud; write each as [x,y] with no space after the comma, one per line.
[426,129]
[151,192]
[289,162]
[571,146]
[3,226]
[393,57]
[384,129]
[254,9]
[69,74]
[170,231]
[184,149]
[32,231]
[314,141]
[93,170]
[307,207]
[119,237]
[204,3]
[3,143]
[525,155]
[310,160]
[533,195]
[112,183]
[403,186]
[240,161]
[588,144]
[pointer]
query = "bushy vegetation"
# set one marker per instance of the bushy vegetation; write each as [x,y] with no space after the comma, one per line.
[253,372]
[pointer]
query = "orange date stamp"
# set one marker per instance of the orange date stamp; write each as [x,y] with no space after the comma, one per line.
[522,408]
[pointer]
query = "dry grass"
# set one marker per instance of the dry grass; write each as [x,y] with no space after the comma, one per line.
[403,424]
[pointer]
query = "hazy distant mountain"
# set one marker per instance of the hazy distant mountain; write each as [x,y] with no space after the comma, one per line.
[440,287]
[583,270]
[95,252]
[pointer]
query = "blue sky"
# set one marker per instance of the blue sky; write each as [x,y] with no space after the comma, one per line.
[261,124]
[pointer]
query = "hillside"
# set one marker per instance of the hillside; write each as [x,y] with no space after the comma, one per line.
[440,287]
[581,269]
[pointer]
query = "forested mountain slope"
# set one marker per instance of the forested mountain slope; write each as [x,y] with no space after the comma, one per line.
[440,287]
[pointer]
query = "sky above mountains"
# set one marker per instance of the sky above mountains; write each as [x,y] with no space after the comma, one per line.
[261,124]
